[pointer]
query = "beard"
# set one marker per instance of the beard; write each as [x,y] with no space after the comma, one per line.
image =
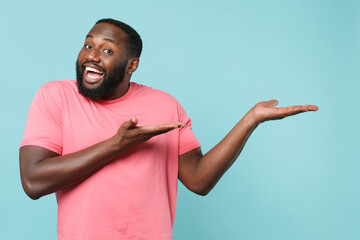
[110,82]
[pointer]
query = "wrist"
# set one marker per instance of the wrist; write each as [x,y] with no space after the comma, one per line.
[251,119]
[114,145]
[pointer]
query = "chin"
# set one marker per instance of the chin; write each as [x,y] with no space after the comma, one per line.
[91,86]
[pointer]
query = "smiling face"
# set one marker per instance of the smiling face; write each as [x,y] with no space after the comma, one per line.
[102,63]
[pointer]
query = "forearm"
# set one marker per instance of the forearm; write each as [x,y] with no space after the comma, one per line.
[53,173]
[200,173]
[212,166]
[43,171]
[216,161]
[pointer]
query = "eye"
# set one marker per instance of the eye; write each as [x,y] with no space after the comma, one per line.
[108,51]
[87,46]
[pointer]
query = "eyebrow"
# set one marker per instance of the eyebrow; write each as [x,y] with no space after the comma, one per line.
[105,39]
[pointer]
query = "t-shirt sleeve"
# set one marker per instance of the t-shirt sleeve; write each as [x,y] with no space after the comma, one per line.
[187,139]
[44,122]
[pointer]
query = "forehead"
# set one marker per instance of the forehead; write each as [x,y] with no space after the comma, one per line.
[108,31]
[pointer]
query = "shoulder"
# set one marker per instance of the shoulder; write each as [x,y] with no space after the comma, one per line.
[153,94]
[54,92]
[158,101]
[59,86]
[58,90]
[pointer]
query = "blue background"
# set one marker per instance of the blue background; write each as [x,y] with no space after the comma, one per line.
[297,178]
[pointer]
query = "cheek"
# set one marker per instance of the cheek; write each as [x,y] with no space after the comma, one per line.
[80,56]
[107,64]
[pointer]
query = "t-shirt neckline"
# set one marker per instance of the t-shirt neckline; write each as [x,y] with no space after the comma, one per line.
[124,97]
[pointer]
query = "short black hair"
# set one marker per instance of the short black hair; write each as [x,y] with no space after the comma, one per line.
[134,42]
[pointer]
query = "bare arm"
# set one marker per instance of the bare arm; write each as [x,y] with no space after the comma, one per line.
[43,171]
[200,173]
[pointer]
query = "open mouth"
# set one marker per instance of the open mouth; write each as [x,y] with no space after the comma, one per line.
[93,75]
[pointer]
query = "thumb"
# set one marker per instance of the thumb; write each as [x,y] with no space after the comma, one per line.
[131,123]
[134,121]
[273,102]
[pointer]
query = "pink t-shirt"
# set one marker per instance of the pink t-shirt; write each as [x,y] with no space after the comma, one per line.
[133,197]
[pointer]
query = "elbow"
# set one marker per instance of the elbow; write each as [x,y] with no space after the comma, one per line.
[203,192]
[33,196]
[200,189]
[32,190]
[33,187]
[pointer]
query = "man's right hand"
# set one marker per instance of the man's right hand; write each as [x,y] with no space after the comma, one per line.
[44,172]
[129,134]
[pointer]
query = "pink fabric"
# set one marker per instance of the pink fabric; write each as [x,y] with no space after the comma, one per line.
[134,197]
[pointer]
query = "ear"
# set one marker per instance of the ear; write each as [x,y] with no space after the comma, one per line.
[133,64]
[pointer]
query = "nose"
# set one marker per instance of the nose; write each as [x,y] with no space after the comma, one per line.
[92,55]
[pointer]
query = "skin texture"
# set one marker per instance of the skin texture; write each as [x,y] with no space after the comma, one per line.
[200,173]
[105,49]
[44,172]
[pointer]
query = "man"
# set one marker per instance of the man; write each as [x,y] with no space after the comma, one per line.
[113,150]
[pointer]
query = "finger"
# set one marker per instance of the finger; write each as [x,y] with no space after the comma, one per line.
[293,110]
[172,125]
[160,129]
[180,124]
[134,121]
[130,124]
[312,107]
[273,102]
[306,108]
[166,127]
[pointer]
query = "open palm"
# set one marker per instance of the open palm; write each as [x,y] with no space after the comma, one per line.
[266,110]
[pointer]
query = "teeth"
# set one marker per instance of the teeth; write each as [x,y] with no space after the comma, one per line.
[93,70]
[92,77]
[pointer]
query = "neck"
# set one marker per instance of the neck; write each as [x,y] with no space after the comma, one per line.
[120,90]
